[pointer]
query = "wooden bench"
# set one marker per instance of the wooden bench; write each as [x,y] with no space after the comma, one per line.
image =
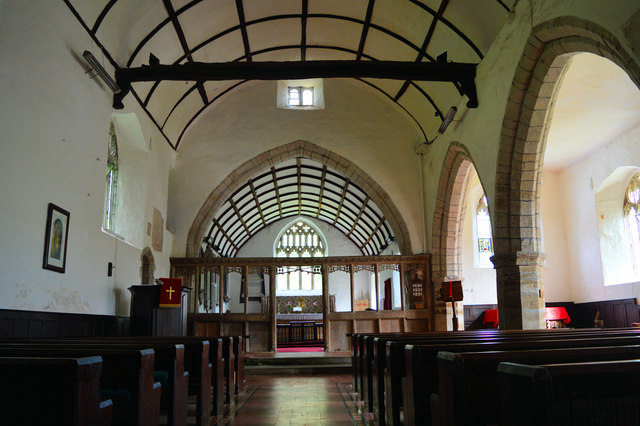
[421,380]
[384,369]
[596,393]
[61,391]
[199,356]
[124,371]
[468,382]
[168,363]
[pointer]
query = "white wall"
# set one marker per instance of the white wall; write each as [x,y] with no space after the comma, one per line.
[54,124]
[357,123]
[478,284]
[557,282]
[576,189]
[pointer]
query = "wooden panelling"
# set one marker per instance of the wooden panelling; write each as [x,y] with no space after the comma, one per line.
[258,337]
[614,313]
[392,325]
[420,325]
[339,341]
[17,323]
[474,316]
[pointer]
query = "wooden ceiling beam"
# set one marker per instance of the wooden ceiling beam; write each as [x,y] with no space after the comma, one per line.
[457,72]
[321,194]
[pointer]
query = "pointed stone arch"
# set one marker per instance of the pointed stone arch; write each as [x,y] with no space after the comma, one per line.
[518,255]
[147,266]
[448,221]
[305,149]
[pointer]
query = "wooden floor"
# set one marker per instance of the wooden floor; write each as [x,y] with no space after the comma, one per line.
[299,400]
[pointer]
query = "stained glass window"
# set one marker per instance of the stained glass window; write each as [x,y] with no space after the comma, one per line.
[483,231]
[111,187]
[632,218]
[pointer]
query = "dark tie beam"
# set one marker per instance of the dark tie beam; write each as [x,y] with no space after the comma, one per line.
[455,72]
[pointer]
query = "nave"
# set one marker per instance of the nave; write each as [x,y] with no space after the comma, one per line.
[296,400]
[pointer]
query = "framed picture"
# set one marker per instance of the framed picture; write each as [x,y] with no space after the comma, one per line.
[55,239]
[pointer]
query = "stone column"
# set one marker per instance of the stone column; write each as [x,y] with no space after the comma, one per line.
[520,290]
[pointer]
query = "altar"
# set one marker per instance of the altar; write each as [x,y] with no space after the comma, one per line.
[300,329]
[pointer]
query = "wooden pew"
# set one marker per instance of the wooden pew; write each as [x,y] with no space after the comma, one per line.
[388,366]
[201,359]
[597,393]
[61,391]
[468,382]
[371,361]
[421,366]
[168,359]
[122,369]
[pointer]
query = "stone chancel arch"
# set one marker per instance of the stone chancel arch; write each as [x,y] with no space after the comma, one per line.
[365,188]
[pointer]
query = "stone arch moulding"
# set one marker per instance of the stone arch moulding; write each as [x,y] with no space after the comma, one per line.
[147,266]
[305,149]
[517,246]
[447,226]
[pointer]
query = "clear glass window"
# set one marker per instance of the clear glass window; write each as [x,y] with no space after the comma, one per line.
[299,240]
[294,96]
[307,97]
[300,96]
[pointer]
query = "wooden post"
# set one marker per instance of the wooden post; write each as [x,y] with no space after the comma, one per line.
[402,296]
[272,308]
[196,293]
[245,285]
[377,278]
[221,291]
[352,287]
[325,306]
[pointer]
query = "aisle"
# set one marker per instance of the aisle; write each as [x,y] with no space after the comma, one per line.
[299,400]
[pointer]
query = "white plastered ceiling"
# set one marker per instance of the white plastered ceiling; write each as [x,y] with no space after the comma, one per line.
[595,103]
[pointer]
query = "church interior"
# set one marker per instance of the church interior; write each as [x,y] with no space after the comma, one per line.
[305,173]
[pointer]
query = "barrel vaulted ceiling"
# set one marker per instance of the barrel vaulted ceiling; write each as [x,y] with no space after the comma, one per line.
[125,33]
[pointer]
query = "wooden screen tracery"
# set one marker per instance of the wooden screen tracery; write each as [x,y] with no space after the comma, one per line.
[408,314]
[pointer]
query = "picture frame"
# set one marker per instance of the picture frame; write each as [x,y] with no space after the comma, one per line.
[55,239]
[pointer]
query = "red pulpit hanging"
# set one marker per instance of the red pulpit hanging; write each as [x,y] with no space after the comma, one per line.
[170,292]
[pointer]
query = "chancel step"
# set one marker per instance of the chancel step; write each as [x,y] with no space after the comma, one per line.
[298,364]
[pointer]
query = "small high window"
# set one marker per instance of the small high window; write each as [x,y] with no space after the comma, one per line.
[483,231]
[300,96]
[111,187]
[632,219]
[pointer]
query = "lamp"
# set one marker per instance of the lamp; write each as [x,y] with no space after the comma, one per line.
[95,65]
[447,120]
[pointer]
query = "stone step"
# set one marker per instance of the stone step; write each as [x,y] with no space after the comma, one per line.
[298,364]
[292,370]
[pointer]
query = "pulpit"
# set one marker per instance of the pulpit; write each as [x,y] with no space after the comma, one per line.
[148,315]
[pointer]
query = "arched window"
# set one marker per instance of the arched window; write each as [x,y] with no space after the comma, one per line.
[111,188]
[632,219]
[484,246]
[299,240]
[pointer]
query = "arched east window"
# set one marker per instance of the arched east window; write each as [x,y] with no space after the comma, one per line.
[299,240]
[632,219]
[484,242]
[111,187]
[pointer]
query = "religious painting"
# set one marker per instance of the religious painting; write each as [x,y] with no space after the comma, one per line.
[55,239]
